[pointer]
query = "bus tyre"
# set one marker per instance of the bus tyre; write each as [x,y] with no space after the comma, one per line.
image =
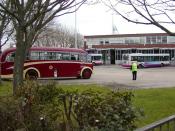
[31,75]
[140,66]
[86,74]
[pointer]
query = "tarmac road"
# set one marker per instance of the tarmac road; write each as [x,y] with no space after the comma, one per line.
[116,76]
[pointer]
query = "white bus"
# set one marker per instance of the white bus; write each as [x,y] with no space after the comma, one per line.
[96,59]
[145,60]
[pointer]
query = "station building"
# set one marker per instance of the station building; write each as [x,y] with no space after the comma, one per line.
[113,46]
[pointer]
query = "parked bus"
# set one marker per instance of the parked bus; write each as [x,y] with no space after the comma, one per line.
[145,60]
[96,59]
[49,63]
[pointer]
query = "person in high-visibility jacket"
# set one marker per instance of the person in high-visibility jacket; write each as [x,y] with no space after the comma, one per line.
[134,70]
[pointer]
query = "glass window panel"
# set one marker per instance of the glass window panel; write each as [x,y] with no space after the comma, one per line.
[125,57]
[148,40]
[42,56]
[65,56]
[140,59]
[153,41]
[134,58]
[164,39]
[34,55]
[156,58]
[58,56]
[74,57]
[159,40]
[83,57]
[51,55]
[10,57]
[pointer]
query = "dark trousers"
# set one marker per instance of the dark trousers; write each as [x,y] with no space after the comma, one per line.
[134,75]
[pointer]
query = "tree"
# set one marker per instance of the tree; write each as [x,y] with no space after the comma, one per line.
[57,35]
[148,12]
[6,31]
[29,17]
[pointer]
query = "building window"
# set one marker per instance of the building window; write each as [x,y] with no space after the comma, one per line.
[106,42]
[126,41]
[164,39]
[153,40]
[148,40]
[101,42]
[159,40]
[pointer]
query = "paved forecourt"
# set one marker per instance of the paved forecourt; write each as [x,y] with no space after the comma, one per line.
[116,76]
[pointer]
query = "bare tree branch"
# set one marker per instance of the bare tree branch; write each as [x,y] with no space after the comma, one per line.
[29,17]
[58,37]
[148,12]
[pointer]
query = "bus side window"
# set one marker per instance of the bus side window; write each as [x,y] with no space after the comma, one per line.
[83,57]
[165,58]
[34,55]
[58,56]
[10,57]
[88,58]
[51,56]
[42,56]
[78,57]
[65,56]
[73,57]
[134,58]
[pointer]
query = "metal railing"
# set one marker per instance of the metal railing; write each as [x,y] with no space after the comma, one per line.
[166,124]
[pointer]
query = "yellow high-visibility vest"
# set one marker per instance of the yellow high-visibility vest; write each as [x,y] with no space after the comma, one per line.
[134,67]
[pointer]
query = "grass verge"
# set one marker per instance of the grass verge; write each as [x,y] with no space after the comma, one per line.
[156,103]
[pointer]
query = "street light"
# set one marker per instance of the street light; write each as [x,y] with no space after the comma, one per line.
[75,25]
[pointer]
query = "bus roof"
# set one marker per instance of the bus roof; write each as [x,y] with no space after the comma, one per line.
[49,49]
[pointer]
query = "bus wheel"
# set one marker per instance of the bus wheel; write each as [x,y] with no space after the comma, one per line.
[93,63]
[31,75]
[140,66]
[86,74]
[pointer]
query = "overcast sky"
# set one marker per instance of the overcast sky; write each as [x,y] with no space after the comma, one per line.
[97,20]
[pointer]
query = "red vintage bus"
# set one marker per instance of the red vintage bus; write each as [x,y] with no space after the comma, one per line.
[49,63]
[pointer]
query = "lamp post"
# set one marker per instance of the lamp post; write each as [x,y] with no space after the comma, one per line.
[75,25]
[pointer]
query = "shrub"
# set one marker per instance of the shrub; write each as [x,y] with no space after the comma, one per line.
[110,112]
[47,107]
[9,114]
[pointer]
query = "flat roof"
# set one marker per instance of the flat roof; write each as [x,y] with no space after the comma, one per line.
[135,46]
[126,35]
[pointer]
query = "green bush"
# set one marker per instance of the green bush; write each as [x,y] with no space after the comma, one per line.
[47,107]
[110,112]
[9,112]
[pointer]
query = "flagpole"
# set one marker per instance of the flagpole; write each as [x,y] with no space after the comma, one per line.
[114,28]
